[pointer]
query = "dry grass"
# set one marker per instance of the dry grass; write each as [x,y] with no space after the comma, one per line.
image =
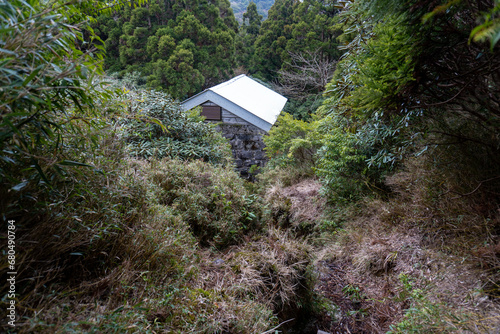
[271,269]
[152,274]
[452,298]
[285,176]
[298,207]
[424,262]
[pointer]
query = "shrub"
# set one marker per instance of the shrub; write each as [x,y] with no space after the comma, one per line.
[394,95]
[213,200]
[427,316]
[48,93]
[158,127]
[289,142]
[340,165]
[303,109]
[112,247]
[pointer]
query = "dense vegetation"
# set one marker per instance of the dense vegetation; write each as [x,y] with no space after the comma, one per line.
[377,212]
[178,46]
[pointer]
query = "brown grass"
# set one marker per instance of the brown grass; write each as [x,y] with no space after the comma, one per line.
[422,262]
[153,274]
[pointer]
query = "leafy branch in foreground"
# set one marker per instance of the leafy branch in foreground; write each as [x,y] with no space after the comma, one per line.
[47,91]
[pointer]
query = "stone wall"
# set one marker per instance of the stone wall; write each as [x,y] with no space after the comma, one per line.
[246,141]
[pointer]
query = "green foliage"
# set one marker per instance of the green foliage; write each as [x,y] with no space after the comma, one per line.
[123,237]
[177,73]
[247,35]
[291,146]
[53,104]
[427,316]
[261,7]
[490,28]
[303,109]
[367,87]
[180,47]
[271,42]
[378,73]
[398,89]
[315,29]
[291,142]
[125,234]
[340,162]
[294,26]
[254,19]
[213,200]
[158,127]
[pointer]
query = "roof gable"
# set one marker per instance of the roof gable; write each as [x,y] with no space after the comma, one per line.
[244,97]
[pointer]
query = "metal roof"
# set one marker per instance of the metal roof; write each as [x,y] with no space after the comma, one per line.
[244,97]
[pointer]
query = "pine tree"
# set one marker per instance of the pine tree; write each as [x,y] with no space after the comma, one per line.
[254,19]
[271,43]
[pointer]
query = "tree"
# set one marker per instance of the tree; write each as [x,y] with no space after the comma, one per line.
[177,74]
[295,27]
[307,73]
[254,19]
[271,43]
[150,34]
[247,35]
[290,142]
[315,29]
[414,78]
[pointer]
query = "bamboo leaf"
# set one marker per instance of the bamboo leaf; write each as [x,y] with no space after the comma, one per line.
[20,186]
[74,163]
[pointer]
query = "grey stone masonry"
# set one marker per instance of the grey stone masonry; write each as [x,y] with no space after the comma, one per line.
[246,141]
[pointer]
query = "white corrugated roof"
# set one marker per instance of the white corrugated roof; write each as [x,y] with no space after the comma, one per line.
[245,98]
[252,96]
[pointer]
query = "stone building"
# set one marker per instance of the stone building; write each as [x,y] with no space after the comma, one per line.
[245,110]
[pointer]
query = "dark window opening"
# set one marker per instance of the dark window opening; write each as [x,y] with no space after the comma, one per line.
[211,113]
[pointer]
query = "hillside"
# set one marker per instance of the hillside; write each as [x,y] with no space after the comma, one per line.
[378,210]
[170,46]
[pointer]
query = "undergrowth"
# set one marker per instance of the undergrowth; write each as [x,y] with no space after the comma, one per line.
[423,259]
[146,246]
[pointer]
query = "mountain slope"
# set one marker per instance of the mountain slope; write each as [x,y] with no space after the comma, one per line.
[240,6]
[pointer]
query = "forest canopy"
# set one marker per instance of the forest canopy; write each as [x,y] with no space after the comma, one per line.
[180,47]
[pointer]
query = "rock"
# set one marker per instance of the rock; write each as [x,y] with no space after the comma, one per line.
[260,155]
[256,138]
[322,332]
[245,137]
[245,155]
[247,145]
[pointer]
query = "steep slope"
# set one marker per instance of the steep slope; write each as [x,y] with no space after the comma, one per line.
[402,265]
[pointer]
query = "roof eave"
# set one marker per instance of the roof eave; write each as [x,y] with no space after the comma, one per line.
[208,95]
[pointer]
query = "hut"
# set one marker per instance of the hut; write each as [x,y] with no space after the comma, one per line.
[245,110]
